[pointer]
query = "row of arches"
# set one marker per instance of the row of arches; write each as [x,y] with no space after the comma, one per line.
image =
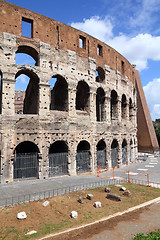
[59,97]
[26,157]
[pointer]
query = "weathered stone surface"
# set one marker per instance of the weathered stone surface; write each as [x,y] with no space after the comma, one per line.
[127,193]
[31,232]
[113,197]
[89,196]
[81,200]
[74,214]
[21,215]
[122,188]
[46,203]
[97,205]
[107,189]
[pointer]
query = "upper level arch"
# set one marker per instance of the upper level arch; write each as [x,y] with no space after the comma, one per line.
[124,106]
[114,105]
[82,96]
[100,75]
[58,93]
[100,104]
[31,97]
[32,52]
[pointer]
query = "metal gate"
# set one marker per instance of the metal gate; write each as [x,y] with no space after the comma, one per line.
[130,153]
[124,155]
[114,157]
[101,158]
[58,164]
[83,162]
[26,165]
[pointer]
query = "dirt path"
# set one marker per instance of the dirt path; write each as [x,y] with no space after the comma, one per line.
[122,227]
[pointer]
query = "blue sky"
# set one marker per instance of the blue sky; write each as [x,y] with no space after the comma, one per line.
[132,27]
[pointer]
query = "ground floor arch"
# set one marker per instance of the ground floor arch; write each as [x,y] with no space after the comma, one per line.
[114,153]
[58,159]
[101,154]
[130,151]
[26,163]
[124,152]
[83,157]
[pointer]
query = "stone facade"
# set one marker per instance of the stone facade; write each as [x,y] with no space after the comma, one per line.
[87,118]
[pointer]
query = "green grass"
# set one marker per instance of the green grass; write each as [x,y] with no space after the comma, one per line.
[149,236]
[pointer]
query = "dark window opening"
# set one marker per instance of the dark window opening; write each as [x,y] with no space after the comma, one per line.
[82,96]
[100,75]
[114,105]
[99,50]
[27,55]
[58,147]
[82,42]
[101,154]
[27,27]
[100,105]
[122,67]
[58,93]
[123,107]
[0,92]
[27,87]
[83,157]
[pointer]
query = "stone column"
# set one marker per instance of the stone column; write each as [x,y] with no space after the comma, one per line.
[93,105]
[72,99]
[8,94]
[119,110]
[44,99]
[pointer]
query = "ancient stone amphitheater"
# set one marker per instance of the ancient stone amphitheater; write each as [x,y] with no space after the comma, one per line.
[87,118]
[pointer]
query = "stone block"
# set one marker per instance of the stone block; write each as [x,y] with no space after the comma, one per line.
[21,215]
[113,197]
[97,205]
[74,214]
[89,196]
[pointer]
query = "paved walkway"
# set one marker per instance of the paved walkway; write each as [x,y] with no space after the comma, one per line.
[33,187]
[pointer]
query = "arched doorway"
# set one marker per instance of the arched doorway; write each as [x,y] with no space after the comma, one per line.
[26,163]
[58,159]
[58,93]
[100,104]
[114,153]
[124,152]
[114,105]
[101,154]
[130,150]
[124,106]
[83,157]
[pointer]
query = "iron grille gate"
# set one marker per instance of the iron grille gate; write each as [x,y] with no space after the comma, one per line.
[114,157]
[101,158]
[130,154]
[83,162]
[124,155]
[26,165]
[58,164]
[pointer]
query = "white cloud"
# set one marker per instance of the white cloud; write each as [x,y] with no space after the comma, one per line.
[97,27]
[136,49]
[151,91]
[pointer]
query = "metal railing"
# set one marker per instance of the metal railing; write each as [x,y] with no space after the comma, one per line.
[11,201]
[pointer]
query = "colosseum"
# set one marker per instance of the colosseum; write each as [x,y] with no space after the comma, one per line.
[88,117]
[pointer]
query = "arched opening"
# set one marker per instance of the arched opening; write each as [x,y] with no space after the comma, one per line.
[27,92]
[58,93]
[100,75]
[83,157]
[100,105]
[114,153]
[130,109]
[101,154]
[27,55]
[26,163]
[82,96]
[114,105]
[58,159]
[124,152]
[0,92]
[130,151]
[124,106]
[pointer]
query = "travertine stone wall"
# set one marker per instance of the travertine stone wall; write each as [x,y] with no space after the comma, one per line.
[55,46]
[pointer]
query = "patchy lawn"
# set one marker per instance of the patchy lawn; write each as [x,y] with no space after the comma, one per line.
[56,216]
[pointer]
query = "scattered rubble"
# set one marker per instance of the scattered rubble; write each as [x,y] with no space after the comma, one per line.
[21,215]
[81,200]
[31,232]
[74,214]
[89,196]
[45,204]
[97,205]
[113,197]
[127,193]
[107,189]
